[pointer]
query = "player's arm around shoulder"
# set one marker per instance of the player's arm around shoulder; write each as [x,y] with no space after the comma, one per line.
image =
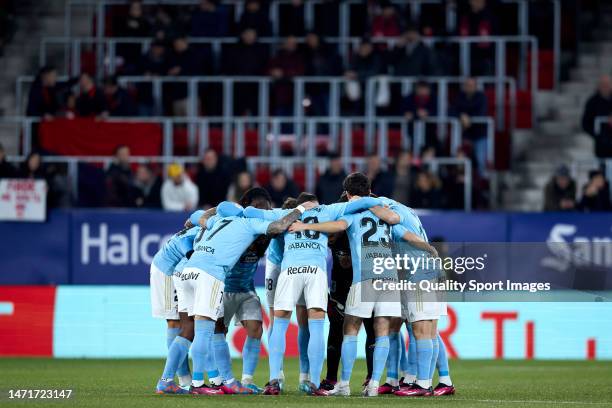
[386,214]
[281,225]
[401,233]
[328,227]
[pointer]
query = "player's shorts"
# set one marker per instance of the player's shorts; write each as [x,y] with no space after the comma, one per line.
[301,285]
[272,272]
[164,302]
[202,294]
[179,286]
[242,306]
[364,301]
[418,305]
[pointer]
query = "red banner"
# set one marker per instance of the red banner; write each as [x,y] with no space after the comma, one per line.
[26,320]
[90,137]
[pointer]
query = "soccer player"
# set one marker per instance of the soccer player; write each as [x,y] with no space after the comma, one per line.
[367,230]
[217,250]
[304,280]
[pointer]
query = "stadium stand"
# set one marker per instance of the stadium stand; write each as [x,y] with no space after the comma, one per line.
[446,103]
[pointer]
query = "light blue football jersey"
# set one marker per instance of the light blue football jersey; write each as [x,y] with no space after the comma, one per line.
[408,217]
[275,250]
[219,247]
[240,278]
[173,250]
[369,237]
[180,266]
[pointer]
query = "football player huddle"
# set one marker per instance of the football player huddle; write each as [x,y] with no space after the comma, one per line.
[203,277]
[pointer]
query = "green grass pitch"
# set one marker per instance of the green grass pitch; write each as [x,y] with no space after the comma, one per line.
[130,383]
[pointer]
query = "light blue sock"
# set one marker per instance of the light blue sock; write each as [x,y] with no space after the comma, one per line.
[179,349]
[171,333]
[434,357]
[316,349]
[403,361]
[381,352]
[412,353]
[393,359]
[424,349]
[303,340]
[442,361]
[223,361]
[201,350]
[348,354]
[250,355]
[277,345]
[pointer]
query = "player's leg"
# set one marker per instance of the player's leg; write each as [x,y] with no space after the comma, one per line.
[271,280]
[411,357]
[423,332]
[303,338]
[392,382]
[368,325]
[445,385]
[221,352]
[165,304]
[249,314]
[348,354]
[381,352]
[334,343]
[288,291]
[207,307]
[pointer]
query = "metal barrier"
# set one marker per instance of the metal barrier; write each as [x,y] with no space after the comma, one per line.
[304,136]
[72,51]
[310,164]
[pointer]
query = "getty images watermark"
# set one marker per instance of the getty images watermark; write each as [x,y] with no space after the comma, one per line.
[488,272]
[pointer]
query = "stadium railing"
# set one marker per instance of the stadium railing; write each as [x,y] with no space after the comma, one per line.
[106,59]
[98,9]
[305,136]
[311,165]
[600,122]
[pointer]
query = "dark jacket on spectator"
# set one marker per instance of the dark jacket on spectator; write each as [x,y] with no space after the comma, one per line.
[412,103]
[382,184]
[91,103]
[329,187]
[210,23]
[213,184]
[553,195]
[426,199]
[596,203]
[243,59]
[292,20]
[149,197]
[278,197]
[292,64]
[596,106]
[119,190]
[7,170]
[258,21]
[474,105]
[368,66]
[120,104]
[43,100]
[322,61]
[417,60]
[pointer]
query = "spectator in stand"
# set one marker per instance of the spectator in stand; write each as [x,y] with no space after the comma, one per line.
[387,23]
[152,65]
[242,183]
[147,187]
[600,104]
[256,18]
[210,19]
[420,105]
[134,25]
[246,58]
[403,177]
[596,193]
[90,101]
[44,97]
[119,192]
[281,187]
[6,169]
[382,180]
[366,62]
[470,103]
[183,61]
[164,27]
[412,57]
[178,192]
[560,191]
[329,185]
[321,60]
[32,167]
[213,179]
[479,20]
[286,64]
[427,192]
[291,18]
[118,100]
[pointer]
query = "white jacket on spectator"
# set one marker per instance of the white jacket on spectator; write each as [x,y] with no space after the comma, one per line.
[179,197]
